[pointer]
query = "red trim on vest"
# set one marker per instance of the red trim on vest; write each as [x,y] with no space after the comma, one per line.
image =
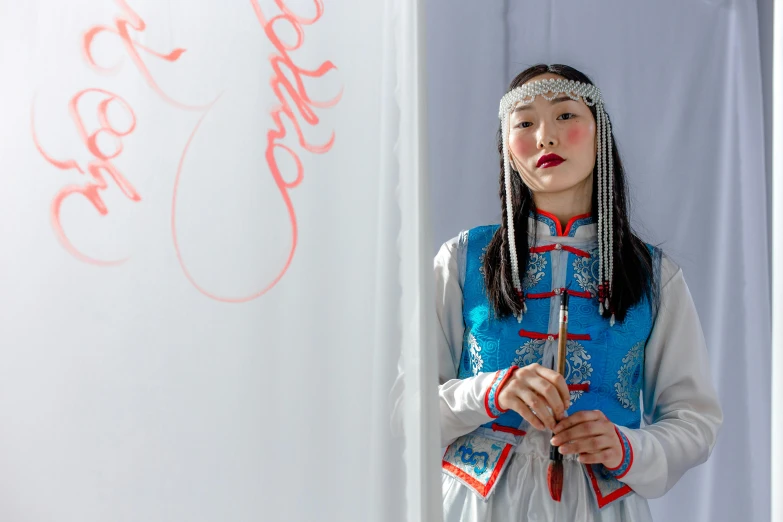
[604,500]
[554,218]
[579,387]
[574,220]
[541,249]
[544,336]
[547,248]
[576,251]
[508,429]
[478,486]
[545,295]
[558,226]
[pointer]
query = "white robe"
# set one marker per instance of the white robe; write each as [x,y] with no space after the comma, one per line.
[681,415]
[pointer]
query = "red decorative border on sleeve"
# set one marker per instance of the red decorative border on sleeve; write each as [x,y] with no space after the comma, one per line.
[627,448]
[491,405]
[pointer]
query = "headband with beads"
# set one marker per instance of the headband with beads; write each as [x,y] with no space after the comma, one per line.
[591,96]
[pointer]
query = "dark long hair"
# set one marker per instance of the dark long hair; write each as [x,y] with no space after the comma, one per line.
[633,264]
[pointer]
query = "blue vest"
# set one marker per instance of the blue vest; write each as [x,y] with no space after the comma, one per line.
[604,364]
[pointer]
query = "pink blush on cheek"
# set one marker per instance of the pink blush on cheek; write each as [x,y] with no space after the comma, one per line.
[522,147]
[577,134]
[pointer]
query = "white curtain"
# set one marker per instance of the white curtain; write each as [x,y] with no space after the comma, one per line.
[682,81]
[201,312]
[775,64]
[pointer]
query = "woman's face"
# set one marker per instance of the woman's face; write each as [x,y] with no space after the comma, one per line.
[562,126]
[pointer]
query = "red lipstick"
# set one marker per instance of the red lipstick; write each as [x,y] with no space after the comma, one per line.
[549,160]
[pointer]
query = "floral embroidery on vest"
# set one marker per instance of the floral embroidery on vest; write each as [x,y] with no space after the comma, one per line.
[481,262]
[535,270]
[476,362]
[578,369]
[586,272]
[629,380]
[529,353]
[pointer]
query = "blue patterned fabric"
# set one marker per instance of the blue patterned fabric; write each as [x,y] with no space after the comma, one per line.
[476,461]
[611,360]
[548,222]
[627,459]
[578,223]
[492,394]
[553,226]
[629,377]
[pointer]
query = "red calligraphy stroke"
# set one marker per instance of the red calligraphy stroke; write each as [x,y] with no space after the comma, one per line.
[96,168]
[129,18]
[281,86]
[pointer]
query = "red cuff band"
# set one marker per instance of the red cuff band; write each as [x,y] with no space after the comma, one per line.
[627,448]
[500,387]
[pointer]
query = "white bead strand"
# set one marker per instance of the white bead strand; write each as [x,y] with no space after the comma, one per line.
[512,245]
[591,95]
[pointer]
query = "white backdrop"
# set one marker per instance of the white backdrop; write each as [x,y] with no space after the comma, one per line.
[188,329]
[233,367]
[773,30]
[682,82]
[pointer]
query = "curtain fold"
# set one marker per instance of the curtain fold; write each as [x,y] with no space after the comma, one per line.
[216,246]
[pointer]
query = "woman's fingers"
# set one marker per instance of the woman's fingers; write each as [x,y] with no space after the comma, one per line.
[597,458]
[549,393]
[539,394]
[579,418]
[580,431]
[540,406]
[591,445]
[520,407]
[558,381]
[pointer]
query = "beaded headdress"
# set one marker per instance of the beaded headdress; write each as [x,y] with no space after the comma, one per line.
[591,96]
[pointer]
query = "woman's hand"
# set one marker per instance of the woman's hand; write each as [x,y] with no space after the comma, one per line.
[539,389]
[592,436]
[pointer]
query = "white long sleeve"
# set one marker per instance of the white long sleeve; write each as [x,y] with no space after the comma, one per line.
[681,409]
[462,407]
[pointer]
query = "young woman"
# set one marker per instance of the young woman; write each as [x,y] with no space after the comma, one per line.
[633,330]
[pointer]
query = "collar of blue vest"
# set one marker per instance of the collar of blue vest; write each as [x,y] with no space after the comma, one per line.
[547,224]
